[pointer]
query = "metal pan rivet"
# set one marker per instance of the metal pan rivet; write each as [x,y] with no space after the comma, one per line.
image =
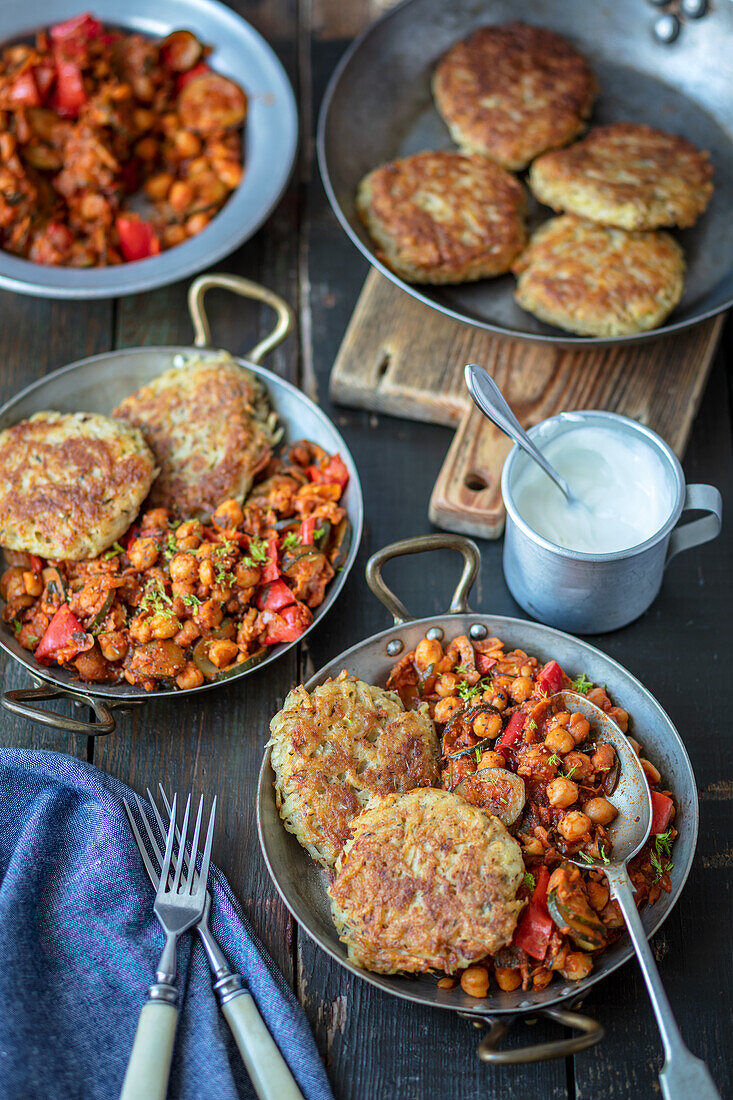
[478,630]
[434,632]
[179,360]
[666,28]
[394,647]
[694,9]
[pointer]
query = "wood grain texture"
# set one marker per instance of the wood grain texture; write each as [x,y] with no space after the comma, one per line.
[400,357]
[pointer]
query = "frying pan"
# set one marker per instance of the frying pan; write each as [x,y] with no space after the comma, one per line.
[302,884]
[98,384]
[378,106]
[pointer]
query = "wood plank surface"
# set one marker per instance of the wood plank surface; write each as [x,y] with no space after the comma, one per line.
[377,1047]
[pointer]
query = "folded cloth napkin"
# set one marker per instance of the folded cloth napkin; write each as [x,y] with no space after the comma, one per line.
[79,945]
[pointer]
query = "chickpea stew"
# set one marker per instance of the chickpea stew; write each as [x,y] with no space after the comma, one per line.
[89,117]
[177,604]
[509,748]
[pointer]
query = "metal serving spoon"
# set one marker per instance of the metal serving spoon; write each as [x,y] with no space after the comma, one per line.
[491,401]
[683,1076]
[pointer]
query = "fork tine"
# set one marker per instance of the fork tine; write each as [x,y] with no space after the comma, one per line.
[167,805]
[206,858]
[141,846]
[191,875]
[151,835]
[165,869]
[181,846]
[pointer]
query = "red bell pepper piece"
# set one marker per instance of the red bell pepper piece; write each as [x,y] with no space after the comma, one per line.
[535,925]
[550,678]
[270,570]
[80,28]
[138,239]
[24,90]
[333,473]
[36,563]
[185,78]
[59,634]
[662,807]
[515,725]
[44,76]
[484,664]
[70,94]
[308,531]
[274,596]
[286,625]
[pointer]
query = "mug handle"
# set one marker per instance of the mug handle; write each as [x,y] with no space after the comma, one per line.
[706,498]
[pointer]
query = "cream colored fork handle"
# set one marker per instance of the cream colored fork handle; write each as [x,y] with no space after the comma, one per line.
[268,1070]
[150,1062]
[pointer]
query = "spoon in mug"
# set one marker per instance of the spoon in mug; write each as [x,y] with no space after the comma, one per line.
[491,401]
[683,1076]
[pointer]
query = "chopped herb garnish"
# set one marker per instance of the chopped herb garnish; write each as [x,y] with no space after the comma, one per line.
[113,551]
[319,532]
[659,867]
[291,540]
[461,669]
[467,692]
[659,859]
[258,550]
[528,880]
[17,626]
[532,725]
[156,598]
[191,601]
[223,576]
[554,759]
[571,772]
[582,685]
[586,858]
[602,853]
[663,843]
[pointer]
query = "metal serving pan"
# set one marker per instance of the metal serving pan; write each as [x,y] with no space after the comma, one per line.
[301,883]
[378,106]
[270,141]
[98,384]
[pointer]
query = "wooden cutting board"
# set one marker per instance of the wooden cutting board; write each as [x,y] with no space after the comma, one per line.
[402,358]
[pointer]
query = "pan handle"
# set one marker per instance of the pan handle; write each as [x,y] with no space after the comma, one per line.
[22,701]
[395,606]
[247,289]
[591,1032]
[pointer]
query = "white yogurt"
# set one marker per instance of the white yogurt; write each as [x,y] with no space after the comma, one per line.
[622,481]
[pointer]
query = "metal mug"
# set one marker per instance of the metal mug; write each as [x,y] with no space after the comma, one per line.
[585,593]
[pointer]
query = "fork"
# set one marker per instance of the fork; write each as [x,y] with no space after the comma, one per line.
[179,904]
[270,1075]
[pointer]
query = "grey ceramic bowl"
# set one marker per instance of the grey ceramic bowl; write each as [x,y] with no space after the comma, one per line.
[270,141]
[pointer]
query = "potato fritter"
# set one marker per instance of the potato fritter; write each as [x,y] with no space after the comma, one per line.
[513,91]
[427,880]
[599,281]
[334,747]
[70,484]
[210,428]
[442,217]
[626,175]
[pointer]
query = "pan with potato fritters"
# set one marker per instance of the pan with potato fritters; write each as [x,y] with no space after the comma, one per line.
[597,281]
[626,175]
[427,881]
[70,484]
[442,217]
[334,747]
[513,91]
[211,429]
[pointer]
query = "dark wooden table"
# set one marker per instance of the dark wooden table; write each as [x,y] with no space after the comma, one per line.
[375,1046]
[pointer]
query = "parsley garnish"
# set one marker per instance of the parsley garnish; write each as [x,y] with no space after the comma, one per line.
[291,540]
[528,880]
[191,601]
[658,866]
[532,725]
[113,551]
[582,685]
[587,859]
[467,692]
[17,626]
[258,549]
[155,597]
[223,576]
[171,547]
[478,756]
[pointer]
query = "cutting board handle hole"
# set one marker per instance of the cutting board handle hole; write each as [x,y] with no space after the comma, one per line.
[383,367]
[476,483]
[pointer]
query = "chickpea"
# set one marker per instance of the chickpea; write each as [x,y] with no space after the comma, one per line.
[191,677]
[164,625]
[507,978]
[222,652]
[446,983]
[447,708]
[143,119]
[604,757]
[188,633]
[196,223]
[173,235]
[620,717]
[188,535]
[635,745]
[652,774]
[184,567]
[143,553]
[562,792]
[12,584]
[447,684]
[147,148]
[113,645]
[32,583]
[207,573]
[557,720]
[600,811]
[247,576]
[490,759]
[526,670]
[198,166]
[186,143]
[532,846]
[229,171]
[155,519]
[428,652]
[521,689]
[579,763]
[487,725]
[475,981]
[229,514]
[578,965]
[559,740]
[573,826]
[208,614]
[598,696]
[158,186]
[598,895]
[169,122]
[542,978]
[140,630]
[578,728]
[180,196]
[499,701]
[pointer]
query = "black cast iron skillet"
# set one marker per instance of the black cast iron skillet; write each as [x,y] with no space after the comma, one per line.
[301,883]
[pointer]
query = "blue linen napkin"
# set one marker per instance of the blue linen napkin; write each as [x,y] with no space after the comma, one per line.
[79,944]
